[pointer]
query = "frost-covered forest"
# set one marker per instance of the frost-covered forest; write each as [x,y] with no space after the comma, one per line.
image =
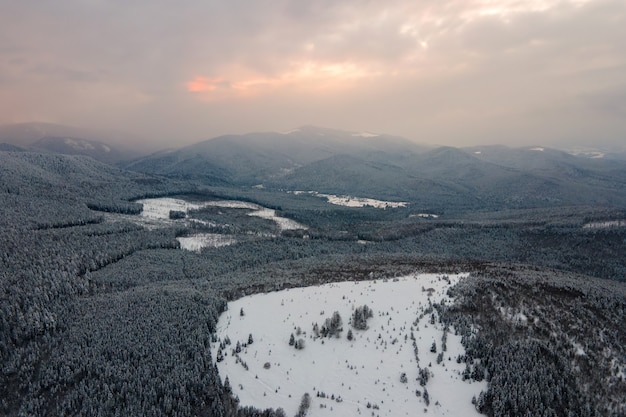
[104,314]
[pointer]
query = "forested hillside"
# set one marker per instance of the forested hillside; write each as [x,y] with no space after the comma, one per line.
[102,315]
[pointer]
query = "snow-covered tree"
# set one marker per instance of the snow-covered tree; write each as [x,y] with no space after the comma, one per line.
[360,316]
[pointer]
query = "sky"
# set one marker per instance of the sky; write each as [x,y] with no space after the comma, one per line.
[453,72]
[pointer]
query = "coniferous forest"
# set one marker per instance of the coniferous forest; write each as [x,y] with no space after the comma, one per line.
[102,315]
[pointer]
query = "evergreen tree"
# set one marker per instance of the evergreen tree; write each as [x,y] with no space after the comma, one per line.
[360,316]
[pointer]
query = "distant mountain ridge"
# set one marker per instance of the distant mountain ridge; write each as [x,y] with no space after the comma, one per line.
[389,167]
[106,147]
[258,157]
[362,164]
[77,146]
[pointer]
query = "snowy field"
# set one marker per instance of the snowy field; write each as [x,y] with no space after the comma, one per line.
[349,201]
[425,215]
[605,225]
[156,213]
[377,373]
[159,208]
[205,240]
[283,223]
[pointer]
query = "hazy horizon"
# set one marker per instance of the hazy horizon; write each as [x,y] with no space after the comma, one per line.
[454,73]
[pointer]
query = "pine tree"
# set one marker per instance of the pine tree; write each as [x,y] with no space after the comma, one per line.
[360,316]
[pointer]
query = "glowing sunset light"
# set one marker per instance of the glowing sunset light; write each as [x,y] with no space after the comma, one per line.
[201,84]
[304,75]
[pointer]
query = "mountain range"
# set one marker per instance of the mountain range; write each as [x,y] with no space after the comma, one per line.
[389,167]
[360,164]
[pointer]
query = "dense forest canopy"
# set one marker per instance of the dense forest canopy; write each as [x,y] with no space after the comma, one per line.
[102,315]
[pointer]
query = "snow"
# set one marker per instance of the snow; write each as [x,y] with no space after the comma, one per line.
[145,222]
[236,204]
[156,214]
[425,215]
[364,370]
[349,201]
[80,145]
[579,349]
[619,370]
[538,149]
[365,135]
[592,154]
[514,316]
[159,208]
[283,223]
[478,153]
[205,240]
[605,225]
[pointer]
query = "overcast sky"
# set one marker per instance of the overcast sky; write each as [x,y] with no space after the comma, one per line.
[454,72]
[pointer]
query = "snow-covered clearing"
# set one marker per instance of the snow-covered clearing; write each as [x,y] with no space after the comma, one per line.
[80,144]
[605,225]
[205,240]
[233,204]
[160,208]
[349,201]
[362,376]
[156,214]
[282,222]
[588,153]
[425,215]
[146,222]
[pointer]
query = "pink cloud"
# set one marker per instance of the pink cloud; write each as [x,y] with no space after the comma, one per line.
[204,84]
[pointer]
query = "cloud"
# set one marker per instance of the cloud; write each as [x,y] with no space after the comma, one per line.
[203,84]
[450,71]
